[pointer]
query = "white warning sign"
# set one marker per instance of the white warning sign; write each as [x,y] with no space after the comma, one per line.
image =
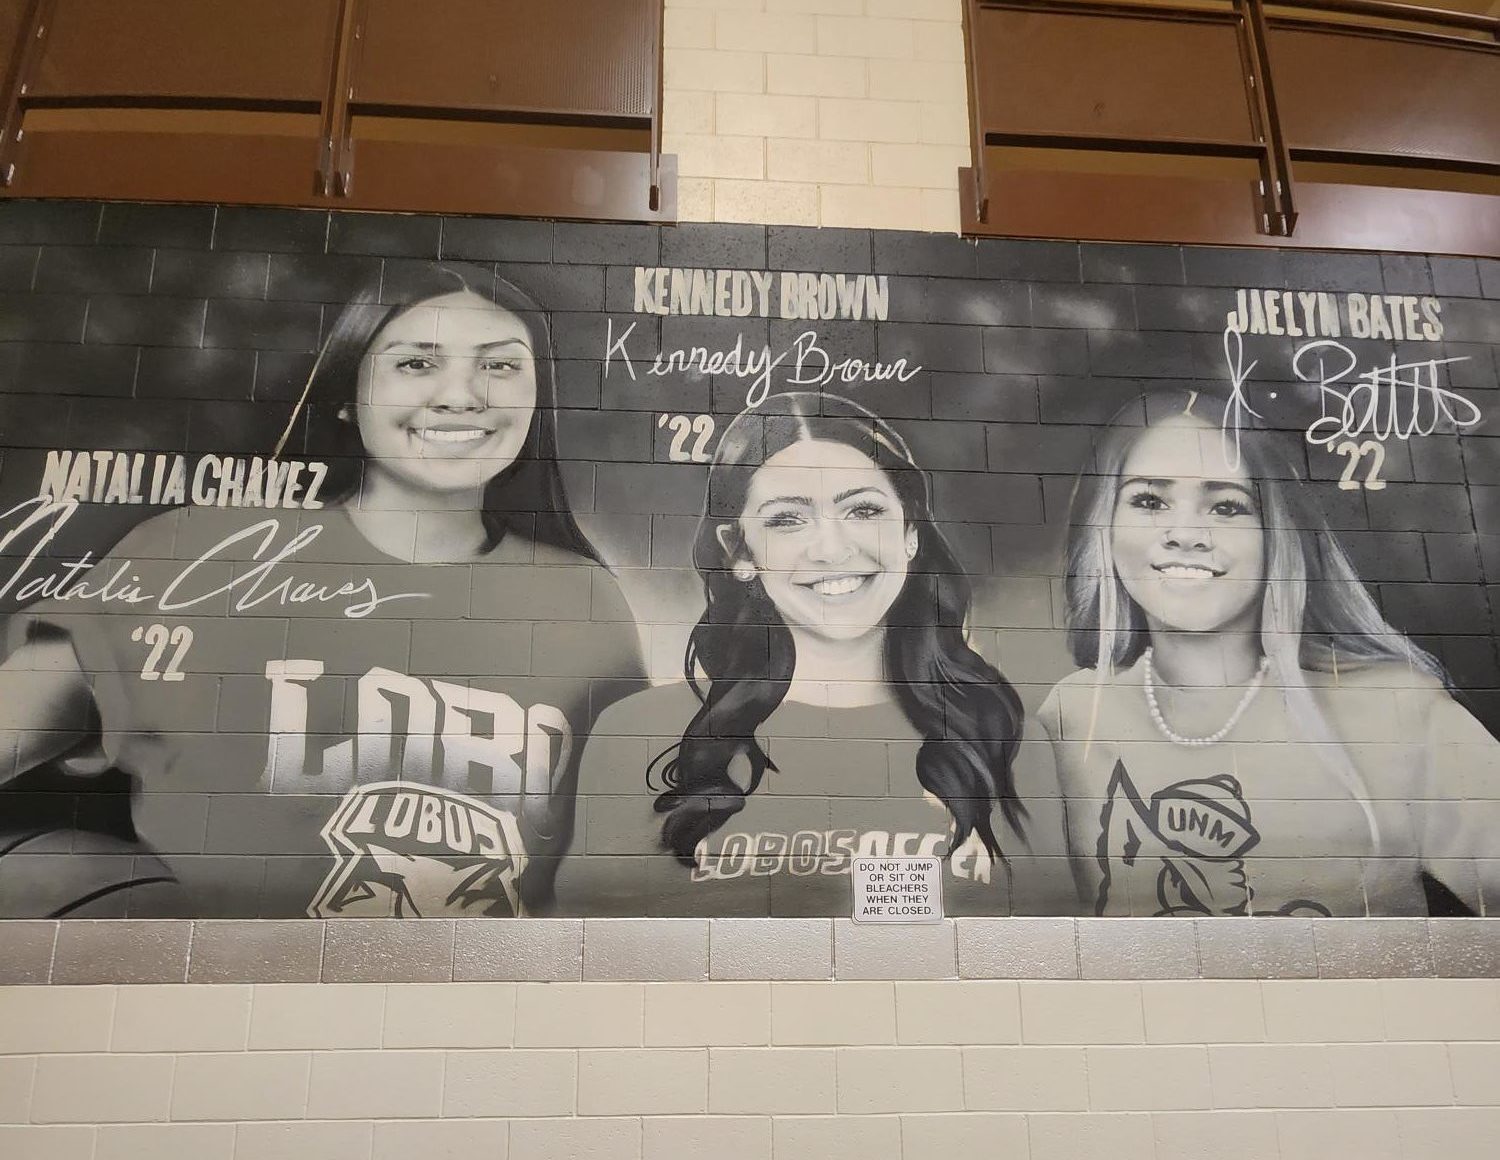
[897,889]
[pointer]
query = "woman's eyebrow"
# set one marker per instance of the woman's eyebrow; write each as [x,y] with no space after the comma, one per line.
[805,501]
[1228,485]
[434,347]
[1148,482]
[853,491]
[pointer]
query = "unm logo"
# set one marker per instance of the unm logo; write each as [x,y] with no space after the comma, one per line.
[1194,833]
[413,851]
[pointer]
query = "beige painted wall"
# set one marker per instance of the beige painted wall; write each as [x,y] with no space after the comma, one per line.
[1054,1070]
[817,112]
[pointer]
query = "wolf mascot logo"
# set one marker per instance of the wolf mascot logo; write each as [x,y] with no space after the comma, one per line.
[413,851]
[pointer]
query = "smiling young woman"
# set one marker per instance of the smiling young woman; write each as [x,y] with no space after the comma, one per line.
[1247,734]
[447,393]
[832,705]
[390,725]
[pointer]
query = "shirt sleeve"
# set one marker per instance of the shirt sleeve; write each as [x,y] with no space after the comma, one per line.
[1458,810]
[98,625]
[1069,885]
[616,860]
[1041,876]
[1049,716]
[619,643]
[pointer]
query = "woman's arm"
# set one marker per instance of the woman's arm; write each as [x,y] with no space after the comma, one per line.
[46,704]
[1081,861]
[1458,816]
[1042,877]
[617,843]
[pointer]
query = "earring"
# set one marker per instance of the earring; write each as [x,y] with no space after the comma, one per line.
[345,413]
[911,546]
[744,571]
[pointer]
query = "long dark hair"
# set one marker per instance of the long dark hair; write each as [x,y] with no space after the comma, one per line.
[967,713]
[526,497]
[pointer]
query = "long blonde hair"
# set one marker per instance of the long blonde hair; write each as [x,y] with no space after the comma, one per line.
[1315,612]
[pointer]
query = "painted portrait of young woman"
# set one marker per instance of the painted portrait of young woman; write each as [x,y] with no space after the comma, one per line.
[1246,733]
[831,704]
[371,702]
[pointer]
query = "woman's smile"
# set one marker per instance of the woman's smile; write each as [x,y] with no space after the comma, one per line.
[452,434]
[1187,537]
[834,587]
[1182,571]
[446,397]
[827,536]
[475,438]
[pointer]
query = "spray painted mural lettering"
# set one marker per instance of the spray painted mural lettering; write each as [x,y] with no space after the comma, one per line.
[211,480]
[1314,314]
[1358,410]
[266,581]
[811,365]
[490,617]
[761,293]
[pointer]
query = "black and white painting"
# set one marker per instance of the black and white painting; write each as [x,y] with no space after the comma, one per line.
[396,566]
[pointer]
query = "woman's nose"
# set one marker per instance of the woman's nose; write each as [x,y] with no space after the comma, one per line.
[1185,536]
[459,385]
[829,544]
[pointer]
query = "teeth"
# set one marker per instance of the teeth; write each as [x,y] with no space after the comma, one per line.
[1185,571]
[438,435]
[840,587]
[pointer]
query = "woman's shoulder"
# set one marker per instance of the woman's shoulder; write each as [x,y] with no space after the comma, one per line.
[1385,700]
[1083,701]
[1076,679]
[1375,676]
[186,532]
[552,556]
[654,711]
[519,548]
[1083,683]
[551,570]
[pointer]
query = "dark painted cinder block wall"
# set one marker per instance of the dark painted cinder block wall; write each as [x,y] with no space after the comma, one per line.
[489,746]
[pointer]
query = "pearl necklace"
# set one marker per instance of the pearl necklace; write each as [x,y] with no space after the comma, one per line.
[1213,738]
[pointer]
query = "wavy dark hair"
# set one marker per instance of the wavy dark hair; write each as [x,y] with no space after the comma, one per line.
[741,657]
[526,497]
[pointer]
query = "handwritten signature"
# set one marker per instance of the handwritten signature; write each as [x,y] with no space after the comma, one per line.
[266,582]
[812,365]
[1395,401]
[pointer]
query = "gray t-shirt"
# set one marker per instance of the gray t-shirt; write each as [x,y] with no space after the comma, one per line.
[845,785]
[1266,821]
[317,728]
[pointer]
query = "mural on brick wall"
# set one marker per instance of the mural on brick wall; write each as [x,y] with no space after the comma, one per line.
[379,565]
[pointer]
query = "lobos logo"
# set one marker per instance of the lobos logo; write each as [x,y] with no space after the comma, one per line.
[410,851]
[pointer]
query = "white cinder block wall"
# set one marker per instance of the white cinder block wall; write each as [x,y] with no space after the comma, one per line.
[817,112]
[1053,1070]
[806,112]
